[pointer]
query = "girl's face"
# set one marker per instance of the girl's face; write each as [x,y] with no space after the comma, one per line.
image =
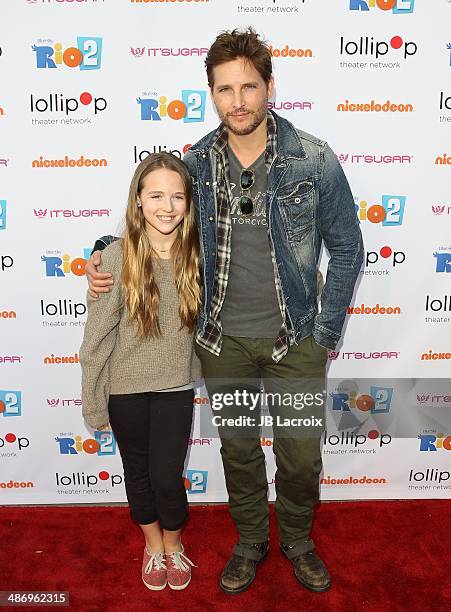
[163,202]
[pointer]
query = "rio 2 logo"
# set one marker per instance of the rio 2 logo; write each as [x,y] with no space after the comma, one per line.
[196,481]
[389,213]
[190,108]
[10,403]
[103,443]
[399,7]
[2,214]
[378,401]
[87,55]
[64,265]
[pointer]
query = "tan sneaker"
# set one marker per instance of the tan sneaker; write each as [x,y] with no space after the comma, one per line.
[154,572]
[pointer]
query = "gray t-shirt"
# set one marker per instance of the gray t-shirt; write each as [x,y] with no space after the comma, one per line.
[251,308]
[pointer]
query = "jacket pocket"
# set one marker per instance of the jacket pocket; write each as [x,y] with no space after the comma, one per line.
[297,204]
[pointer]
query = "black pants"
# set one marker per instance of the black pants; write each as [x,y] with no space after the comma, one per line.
[152,432]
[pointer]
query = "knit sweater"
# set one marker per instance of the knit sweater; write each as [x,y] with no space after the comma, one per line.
[116,360]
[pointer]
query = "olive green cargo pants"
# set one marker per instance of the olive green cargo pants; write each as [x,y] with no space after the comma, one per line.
[243,363]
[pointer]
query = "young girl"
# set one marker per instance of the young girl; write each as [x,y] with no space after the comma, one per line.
[138,363]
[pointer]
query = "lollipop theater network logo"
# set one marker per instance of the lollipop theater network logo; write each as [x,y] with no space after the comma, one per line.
[367,46]
[12,443]
[81,479]
[140,154]
[59,103]
[387,256]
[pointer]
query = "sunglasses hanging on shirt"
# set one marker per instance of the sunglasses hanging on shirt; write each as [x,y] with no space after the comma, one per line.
[246,181]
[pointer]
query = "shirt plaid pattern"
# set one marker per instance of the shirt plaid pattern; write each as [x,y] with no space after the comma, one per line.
[211,337]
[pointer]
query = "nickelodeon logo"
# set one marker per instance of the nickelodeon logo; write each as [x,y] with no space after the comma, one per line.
[443,160]
[352,480]
[430,356]
[374,310]
[65,359]
[8,314]
[289,52]
[13,484]
[200,401]
[374,107]
[68,162]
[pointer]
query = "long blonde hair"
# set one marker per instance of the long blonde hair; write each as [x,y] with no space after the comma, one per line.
[141,293]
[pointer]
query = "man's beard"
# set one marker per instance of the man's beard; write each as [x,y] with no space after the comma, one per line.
[257,116]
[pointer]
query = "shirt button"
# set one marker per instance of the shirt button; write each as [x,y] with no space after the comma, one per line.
[204,156]
[207,183]
[210,218]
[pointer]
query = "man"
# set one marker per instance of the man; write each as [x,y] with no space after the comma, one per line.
[267,195]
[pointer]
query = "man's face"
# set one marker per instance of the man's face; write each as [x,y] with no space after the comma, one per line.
[240,95]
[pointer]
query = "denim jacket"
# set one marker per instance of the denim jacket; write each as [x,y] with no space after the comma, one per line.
[308,202]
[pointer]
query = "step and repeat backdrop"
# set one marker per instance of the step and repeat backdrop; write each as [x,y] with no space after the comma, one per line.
[88,88]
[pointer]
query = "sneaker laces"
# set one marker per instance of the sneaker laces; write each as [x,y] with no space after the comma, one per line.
[179,563]
[156,559]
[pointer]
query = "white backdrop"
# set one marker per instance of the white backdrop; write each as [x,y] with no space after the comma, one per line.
[86,87]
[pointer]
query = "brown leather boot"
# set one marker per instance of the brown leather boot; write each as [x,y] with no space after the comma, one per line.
[310,571]
[239,572]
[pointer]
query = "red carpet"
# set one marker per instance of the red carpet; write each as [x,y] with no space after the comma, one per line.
[385,556]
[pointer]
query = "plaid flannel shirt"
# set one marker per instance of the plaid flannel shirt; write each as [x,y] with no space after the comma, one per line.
[211,337]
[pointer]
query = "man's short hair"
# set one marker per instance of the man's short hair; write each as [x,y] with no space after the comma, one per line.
[232,44]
